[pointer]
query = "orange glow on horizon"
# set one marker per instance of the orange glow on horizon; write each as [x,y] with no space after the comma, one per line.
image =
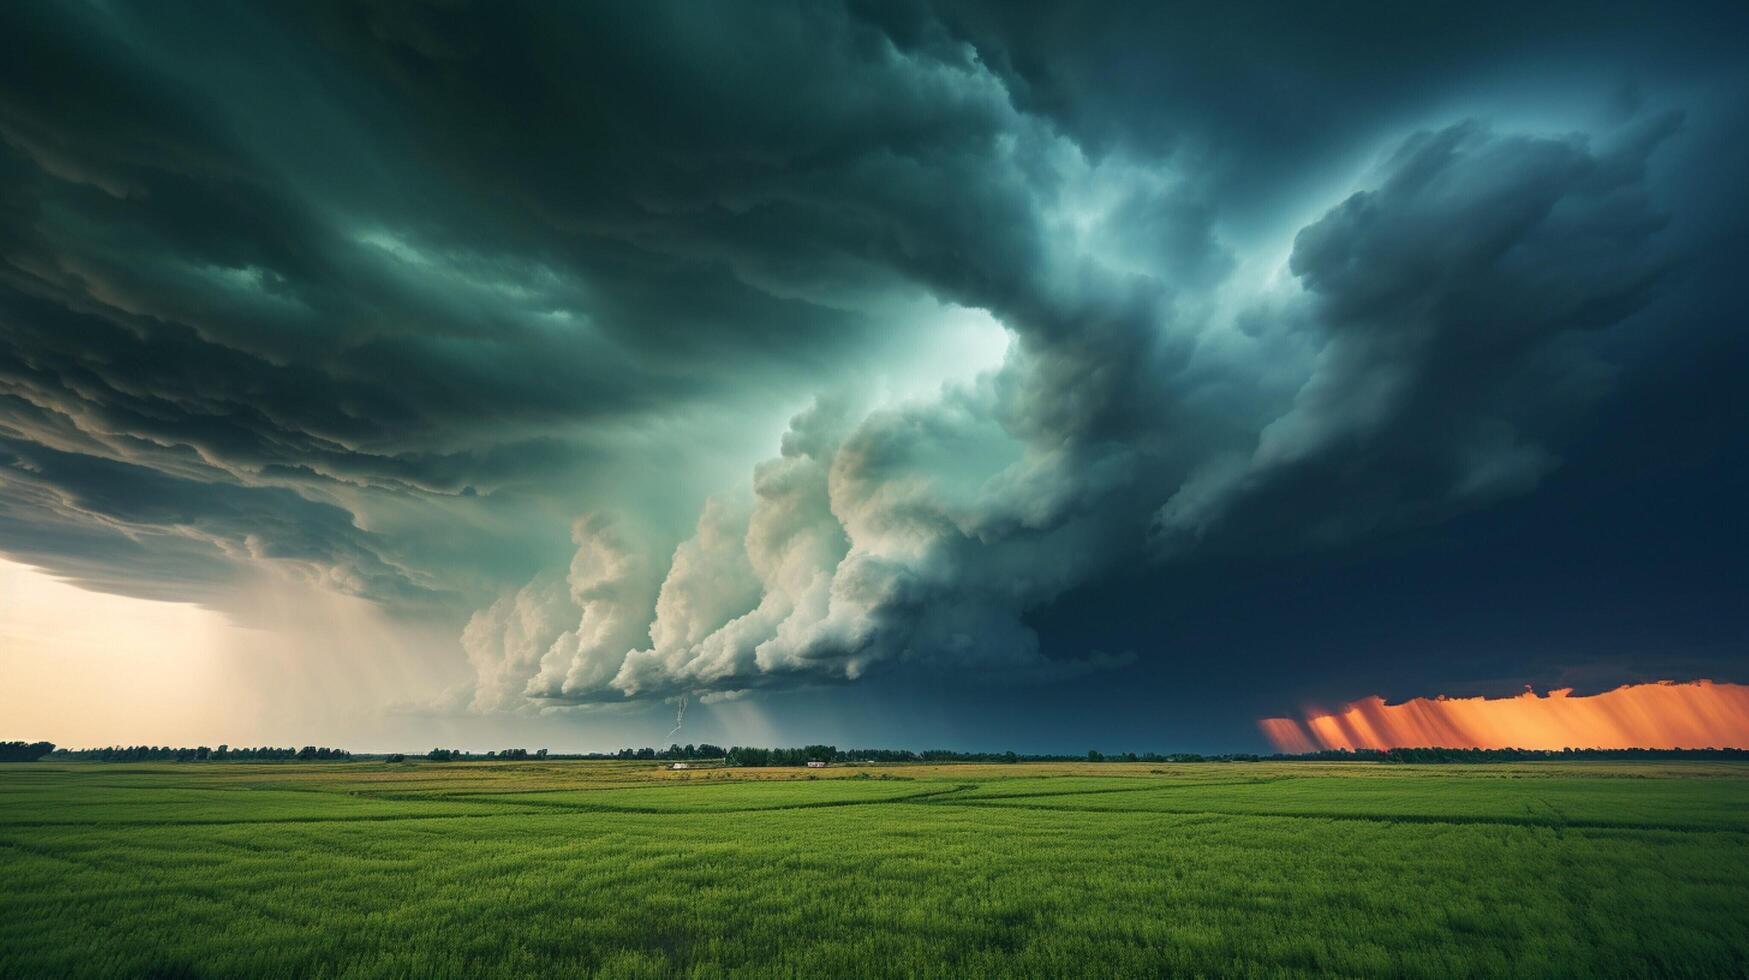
[1662,715]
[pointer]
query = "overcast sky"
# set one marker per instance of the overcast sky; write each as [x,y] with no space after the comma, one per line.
[891,373]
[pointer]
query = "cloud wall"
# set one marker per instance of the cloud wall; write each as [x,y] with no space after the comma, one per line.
[1431,338]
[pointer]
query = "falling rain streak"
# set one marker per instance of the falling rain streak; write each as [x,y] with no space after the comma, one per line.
[1695,715]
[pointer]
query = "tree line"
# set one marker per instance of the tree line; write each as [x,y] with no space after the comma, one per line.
[754,756]
[203,753]
[456,755]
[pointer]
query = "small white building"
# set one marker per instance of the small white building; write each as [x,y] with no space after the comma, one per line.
[680,765]
[816,764]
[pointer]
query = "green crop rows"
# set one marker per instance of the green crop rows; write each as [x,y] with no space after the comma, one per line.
[475,870]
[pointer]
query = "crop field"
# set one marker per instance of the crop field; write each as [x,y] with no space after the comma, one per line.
[620,869]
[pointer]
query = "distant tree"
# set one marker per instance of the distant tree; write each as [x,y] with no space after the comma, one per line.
[395,757]
[442,755]
[748,756]
[24,751]
[1094,755]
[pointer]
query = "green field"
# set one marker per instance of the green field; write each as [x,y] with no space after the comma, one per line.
[468,870]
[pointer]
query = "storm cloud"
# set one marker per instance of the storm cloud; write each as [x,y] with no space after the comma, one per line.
[495,315]
[1429,315]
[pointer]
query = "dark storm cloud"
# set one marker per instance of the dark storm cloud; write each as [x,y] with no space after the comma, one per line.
[1443,313]
[273,275]
[163,514]
[302,281]
[1450,301]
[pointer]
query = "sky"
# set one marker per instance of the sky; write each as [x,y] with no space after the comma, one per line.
[963,375]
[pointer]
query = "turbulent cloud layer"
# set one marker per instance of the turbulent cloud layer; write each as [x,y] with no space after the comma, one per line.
[386,297]
[1409,366]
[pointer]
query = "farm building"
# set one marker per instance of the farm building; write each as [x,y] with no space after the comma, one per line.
[816,764]
[680,765]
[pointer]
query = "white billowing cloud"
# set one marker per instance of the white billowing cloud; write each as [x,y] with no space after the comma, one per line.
[709,581]
[791,542]
[552,638]
[506,640]
[613,582]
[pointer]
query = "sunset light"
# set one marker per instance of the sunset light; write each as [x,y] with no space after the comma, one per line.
[1695,715]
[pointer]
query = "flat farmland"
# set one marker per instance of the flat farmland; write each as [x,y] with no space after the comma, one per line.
[581,868]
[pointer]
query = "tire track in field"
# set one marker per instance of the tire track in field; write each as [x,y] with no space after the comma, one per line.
[1415,818]
[581,807]
[406,794]
[511,809]
[443,793]
[1041,794]
[248,821]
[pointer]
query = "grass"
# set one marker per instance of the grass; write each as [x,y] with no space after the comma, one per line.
[477,870]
